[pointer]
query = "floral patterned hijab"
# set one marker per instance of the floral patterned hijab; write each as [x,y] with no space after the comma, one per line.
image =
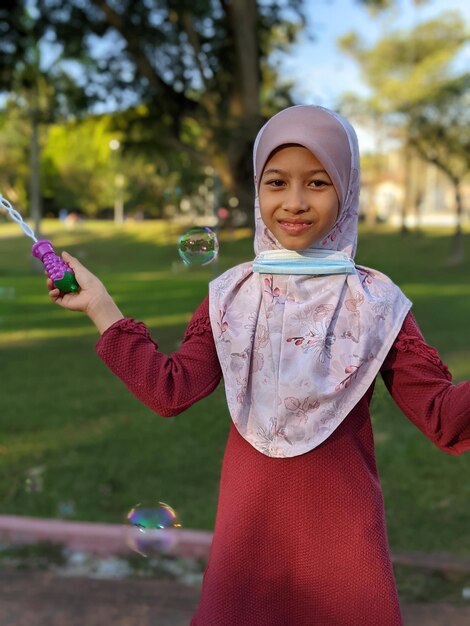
[299,351]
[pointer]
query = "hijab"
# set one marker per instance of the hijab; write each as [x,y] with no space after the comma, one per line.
[300,347]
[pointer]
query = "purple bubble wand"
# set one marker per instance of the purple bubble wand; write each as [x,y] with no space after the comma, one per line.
[56,268]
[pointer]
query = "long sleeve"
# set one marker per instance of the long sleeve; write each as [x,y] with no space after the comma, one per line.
[421,385]
[167,384]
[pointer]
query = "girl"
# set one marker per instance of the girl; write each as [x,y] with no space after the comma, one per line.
[298,336]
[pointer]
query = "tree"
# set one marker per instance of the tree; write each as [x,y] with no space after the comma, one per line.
[80,170]
[201,68]
[14,145]
[42,91]
[416,91]
[440,132]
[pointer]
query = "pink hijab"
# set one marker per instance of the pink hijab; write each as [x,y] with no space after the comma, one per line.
[299,351]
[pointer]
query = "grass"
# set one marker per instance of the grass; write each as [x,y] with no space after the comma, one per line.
[98,451]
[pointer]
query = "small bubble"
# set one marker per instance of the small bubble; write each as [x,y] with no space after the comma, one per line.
[198,246]
[151,528]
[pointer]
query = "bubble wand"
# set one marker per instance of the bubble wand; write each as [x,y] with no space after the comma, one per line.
[56,268]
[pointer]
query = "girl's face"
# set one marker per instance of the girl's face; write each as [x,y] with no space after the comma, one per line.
[298,202]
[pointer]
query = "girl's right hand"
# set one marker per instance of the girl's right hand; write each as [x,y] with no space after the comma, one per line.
[92,299]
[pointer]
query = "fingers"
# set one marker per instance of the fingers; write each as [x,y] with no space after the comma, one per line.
[72,261]
[84,277]
[91,288]
[51,288]
[54,294]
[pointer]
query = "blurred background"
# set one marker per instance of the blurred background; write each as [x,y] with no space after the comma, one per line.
[143,109]
[122,124]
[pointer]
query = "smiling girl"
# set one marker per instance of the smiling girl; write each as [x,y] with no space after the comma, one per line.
[299,336]
[298,202]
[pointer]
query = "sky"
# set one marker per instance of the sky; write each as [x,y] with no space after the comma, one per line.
[319,70]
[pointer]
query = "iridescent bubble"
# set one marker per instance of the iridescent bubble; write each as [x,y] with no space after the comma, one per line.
[159,516]
[198,246]
[151,528]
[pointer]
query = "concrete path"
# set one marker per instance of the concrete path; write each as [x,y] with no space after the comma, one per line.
[45,599]
[42,599]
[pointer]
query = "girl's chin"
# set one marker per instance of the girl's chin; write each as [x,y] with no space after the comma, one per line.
[296,248]
[297,243]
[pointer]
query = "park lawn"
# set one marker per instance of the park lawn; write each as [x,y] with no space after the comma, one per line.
[98,451]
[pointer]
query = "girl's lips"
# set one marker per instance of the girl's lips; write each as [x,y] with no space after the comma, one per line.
[295,228]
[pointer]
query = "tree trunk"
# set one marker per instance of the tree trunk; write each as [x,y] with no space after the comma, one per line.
[458,250]
[407,195]
[235,171]
[244,102]
[245,113]
[35,176]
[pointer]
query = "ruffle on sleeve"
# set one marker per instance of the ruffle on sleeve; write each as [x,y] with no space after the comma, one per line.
[129,325]
[198,326]
[421,348]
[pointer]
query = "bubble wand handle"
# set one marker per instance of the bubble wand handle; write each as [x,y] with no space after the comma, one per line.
[57,269]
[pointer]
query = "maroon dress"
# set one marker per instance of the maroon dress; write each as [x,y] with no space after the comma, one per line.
[298,541]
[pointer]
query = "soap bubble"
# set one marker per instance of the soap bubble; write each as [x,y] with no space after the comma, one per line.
[157,516]
[198,246]
[151,528]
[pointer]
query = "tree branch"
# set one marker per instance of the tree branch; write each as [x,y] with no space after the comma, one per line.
[194,42]
[145,68]
[440,164]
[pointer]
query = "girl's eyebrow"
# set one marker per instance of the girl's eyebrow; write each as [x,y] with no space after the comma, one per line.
[309,173]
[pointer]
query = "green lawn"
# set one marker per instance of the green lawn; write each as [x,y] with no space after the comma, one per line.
[100,452]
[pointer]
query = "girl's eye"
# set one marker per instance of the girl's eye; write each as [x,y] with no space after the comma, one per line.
[318,183]
[276,182]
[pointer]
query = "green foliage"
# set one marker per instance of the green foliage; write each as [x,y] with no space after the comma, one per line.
[199,72]
[77,172]
[14,140]
[38,90]
[43,88]
[377,6]
[34,557]
[407,67]
[199,68]
[440,128]
[419,96]
[81,170]
[183,51]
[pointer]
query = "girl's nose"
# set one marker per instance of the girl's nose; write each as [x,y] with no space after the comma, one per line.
[296,201]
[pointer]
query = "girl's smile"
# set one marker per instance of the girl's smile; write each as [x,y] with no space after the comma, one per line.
[294,228]
[298,202]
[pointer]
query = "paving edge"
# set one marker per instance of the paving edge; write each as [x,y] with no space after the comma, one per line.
[96,538]
[112,539]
